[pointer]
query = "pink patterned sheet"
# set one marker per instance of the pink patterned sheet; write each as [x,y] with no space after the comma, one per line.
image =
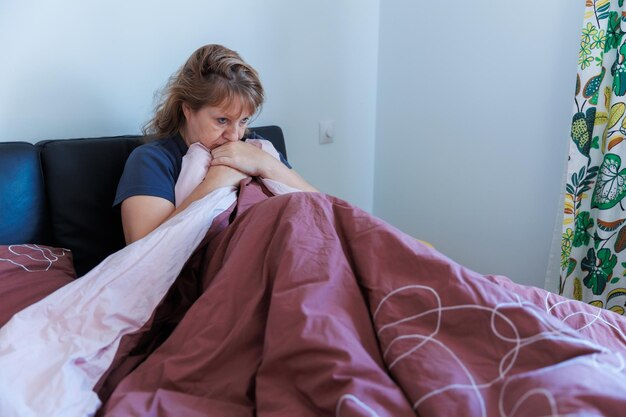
[305,305]
[30,272]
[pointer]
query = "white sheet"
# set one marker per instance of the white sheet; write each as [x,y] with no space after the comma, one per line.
[53,352]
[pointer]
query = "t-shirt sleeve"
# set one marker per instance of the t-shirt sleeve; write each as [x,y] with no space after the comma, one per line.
[148,171]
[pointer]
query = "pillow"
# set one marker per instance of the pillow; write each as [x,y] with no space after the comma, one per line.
[30,272]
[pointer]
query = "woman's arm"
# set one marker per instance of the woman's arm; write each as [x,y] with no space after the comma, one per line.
[141,214]
[254,161]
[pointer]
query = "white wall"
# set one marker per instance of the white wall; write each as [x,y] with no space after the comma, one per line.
[474,107]
[471,121]
[74,68]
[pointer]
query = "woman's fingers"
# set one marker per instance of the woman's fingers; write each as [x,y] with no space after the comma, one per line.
[241,156]
[223,175]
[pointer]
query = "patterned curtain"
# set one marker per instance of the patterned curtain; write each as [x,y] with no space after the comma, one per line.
[593,255]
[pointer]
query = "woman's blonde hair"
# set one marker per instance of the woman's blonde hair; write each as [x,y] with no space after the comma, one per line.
[213,75]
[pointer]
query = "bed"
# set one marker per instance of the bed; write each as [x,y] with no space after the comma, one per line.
[272,302]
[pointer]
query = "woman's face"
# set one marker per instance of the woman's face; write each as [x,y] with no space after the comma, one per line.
[215,126]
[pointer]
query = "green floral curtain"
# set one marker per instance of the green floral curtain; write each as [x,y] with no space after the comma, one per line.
[593,255]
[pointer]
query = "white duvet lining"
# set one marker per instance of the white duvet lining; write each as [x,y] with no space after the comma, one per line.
[53,352]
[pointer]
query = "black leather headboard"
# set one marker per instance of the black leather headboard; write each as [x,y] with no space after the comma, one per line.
[60,192]
[81,180]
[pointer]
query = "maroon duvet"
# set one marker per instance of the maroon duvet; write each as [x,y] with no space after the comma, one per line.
[307,306]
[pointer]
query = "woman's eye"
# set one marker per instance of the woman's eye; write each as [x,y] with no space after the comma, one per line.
[222,120]
[244,121]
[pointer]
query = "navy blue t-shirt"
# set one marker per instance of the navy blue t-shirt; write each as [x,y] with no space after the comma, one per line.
[153,168]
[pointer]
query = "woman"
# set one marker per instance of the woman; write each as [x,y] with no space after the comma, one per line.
[210,100]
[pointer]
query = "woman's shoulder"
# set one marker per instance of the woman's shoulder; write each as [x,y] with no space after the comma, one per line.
[170,148]
[152,169]
[164,154]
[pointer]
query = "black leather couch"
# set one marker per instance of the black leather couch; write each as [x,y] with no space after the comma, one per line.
[60,193]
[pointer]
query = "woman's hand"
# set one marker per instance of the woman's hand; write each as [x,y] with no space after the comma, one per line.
[243,157]
[254,161]
[223,176]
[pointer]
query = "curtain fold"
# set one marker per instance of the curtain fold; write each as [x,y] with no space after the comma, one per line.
[593,240]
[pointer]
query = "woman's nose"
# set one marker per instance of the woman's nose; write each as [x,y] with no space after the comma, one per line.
[232,133]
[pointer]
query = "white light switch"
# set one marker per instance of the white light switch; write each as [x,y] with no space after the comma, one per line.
[327,131]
